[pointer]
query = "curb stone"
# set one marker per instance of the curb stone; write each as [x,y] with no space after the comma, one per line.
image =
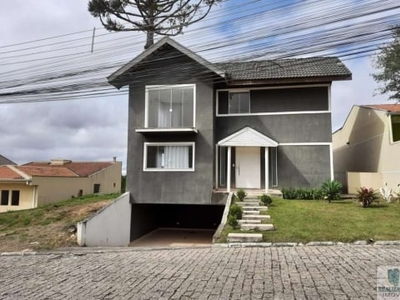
[320,244]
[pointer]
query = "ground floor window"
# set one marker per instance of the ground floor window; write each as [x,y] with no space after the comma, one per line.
[96,188]
[273,166]
[4,197]
[15,198]
[168,157]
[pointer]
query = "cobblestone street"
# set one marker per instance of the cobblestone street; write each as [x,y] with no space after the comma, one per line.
[307,272]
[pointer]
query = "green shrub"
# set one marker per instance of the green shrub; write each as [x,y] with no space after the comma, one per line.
[331,190]
[289,193]
[265,199]
[241,194]
[236,211]
[302,194]
[232,221]
[366,196]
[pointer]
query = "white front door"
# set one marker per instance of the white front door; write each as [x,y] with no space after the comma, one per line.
[248,167]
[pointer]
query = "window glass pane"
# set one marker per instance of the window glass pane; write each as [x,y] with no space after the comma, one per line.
[169,157]
[15,198]
[273,166]
[4,197]
[96,188]
[170,107]
[153,106]
[239,103]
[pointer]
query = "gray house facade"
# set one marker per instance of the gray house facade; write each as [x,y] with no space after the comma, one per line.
[196,127]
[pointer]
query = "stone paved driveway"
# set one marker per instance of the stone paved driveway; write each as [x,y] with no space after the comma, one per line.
[308,272]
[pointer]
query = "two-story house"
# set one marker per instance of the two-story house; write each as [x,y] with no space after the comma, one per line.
[196,127]
[366,150]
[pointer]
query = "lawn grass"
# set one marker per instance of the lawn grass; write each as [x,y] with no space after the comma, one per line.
[303,221]
[46,214]
[342,220]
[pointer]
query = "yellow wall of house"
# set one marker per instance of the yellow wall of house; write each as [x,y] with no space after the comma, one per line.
[54,189]
[26,196]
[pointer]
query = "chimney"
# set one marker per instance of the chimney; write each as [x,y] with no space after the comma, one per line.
[114,159]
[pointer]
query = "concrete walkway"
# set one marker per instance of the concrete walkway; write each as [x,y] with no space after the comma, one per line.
[304,272]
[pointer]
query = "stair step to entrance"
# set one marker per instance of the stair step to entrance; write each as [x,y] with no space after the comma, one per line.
[256,217]
[251,212]
[253,199]
[244,237]
[259,208]
[262,227]
[248,203]
[249,221]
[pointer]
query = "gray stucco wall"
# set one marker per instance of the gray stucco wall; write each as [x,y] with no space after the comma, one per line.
[172,187]
[296,128]
[303,166]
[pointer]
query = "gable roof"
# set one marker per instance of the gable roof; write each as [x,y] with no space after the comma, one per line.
[5,161]
[67,169]
[392,108]
[323,68]
[247,137]
[114,78]
[7,173]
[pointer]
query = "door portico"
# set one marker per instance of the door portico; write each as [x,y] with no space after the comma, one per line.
[247,144]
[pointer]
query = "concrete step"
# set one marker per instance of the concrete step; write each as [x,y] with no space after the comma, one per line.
[253,199]
[262,227]
[249,221]
[244,237]
[248,203]
[251,212]
[256,217]
[259,208]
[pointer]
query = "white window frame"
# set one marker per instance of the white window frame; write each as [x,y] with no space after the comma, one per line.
[155,87]
[392,141]
[233,90]
[146,145]
[238,91]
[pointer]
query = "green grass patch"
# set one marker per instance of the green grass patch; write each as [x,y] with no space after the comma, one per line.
[45,214]
[304,221]
[342,220]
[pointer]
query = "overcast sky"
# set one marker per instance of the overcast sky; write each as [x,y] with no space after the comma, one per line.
[96,129]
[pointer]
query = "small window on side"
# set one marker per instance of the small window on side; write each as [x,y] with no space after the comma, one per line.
[4,197]
[15,198]
[96,188]
[395,128]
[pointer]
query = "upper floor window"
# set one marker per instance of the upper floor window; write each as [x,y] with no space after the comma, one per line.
[234,102]
[395,127]
[239,102]
[170,106]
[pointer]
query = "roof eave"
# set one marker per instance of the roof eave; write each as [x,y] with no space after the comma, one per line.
[290,80]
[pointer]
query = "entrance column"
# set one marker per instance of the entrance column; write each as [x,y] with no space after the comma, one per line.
[266,169]
[228,171]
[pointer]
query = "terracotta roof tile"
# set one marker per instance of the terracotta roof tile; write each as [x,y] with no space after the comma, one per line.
[7,173]
[47,171]
[386,107]
[81,169]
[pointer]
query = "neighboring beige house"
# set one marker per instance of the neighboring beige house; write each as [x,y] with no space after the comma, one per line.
[366,150]
[30,185]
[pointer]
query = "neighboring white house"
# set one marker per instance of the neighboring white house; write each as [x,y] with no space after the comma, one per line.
[366,150]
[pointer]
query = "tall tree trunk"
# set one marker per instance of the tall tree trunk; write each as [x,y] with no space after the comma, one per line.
[150,39]
[150,28]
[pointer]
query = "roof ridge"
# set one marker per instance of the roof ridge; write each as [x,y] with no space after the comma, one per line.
[19,172]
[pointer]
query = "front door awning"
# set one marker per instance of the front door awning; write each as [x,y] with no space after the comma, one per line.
[247,137]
